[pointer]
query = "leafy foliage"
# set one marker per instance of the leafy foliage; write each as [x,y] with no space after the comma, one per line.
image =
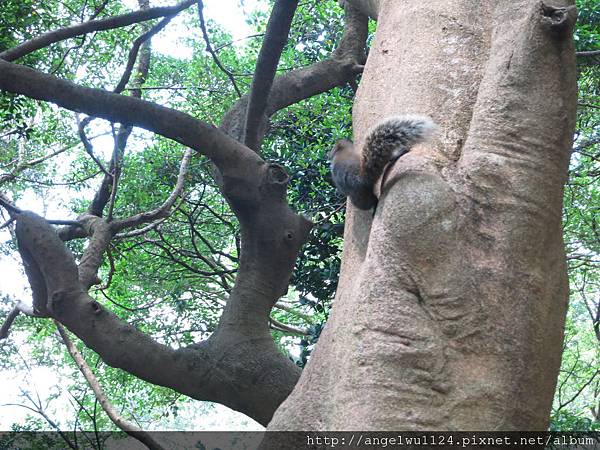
[578,391]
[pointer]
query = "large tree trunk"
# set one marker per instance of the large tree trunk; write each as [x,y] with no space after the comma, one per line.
[452,298]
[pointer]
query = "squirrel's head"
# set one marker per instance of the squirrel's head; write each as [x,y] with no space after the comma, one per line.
[339,147]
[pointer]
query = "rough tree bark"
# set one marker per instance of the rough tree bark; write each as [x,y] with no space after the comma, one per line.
[452,299]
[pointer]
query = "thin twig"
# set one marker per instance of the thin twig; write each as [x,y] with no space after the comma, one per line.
[135,50]
[250,36]
[212,52]
[111,412]
[162,210]
[87,145]
[20,307]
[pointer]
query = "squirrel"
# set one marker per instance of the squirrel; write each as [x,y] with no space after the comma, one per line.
[355,172]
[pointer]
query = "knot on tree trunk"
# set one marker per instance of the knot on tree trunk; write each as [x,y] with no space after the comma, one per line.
[60,300]
[559,20]
[275,182]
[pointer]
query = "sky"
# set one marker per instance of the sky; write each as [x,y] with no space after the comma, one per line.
[45,381]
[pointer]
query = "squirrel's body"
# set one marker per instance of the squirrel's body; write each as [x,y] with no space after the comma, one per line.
[355,172]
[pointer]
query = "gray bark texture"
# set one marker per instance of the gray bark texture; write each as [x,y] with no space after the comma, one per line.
[452,298]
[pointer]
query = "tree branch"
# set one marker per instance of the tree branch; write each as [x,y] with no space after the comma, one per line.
[207,370]
[278,29]
[588,54]
[87,145]
[100,235]
[94,25]
[107,192]
[212,52]
[24,165]
[135,50]
[163,210]
[368,7]
[290,329]
[108,408]
[342,66]
[20,307]
[229,155]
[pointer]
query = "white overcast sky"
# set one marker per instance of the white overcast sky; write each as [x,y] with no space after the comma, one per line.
[229,13]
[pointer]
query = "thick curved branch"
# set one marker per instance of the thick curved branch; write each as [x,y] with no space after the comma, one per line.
[93,25]
[241,369]
[278,29]
[54,275]
[230,156]
[343,65]
[128,427]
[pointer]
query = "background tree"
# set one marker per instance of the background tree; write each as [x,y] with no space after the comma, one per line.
[169,270]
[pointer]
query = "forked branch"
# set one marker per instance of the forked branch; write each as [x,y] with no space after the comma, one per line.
[275,39]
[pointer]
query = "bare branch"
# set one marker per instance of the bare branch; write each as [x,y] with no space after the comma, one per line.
[13,210]
[134,52]
[7,223]
[288,328]
[294,312]
[250,36]
[588,54]
[367,7]
[344,64]
[23,165]
[212,52]
[8,205]
[278,29]
[87,145]
[20,307]
[107,192]
[39,409]
[163,209]
[120,144]
[100,235]
[108,408]
[579,391]
[141,231]
[186,370]
[111,271]
[94,25]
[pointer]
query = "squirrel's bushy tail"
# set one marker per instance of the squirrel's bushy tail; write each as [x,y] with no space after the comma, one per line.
[390,139]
